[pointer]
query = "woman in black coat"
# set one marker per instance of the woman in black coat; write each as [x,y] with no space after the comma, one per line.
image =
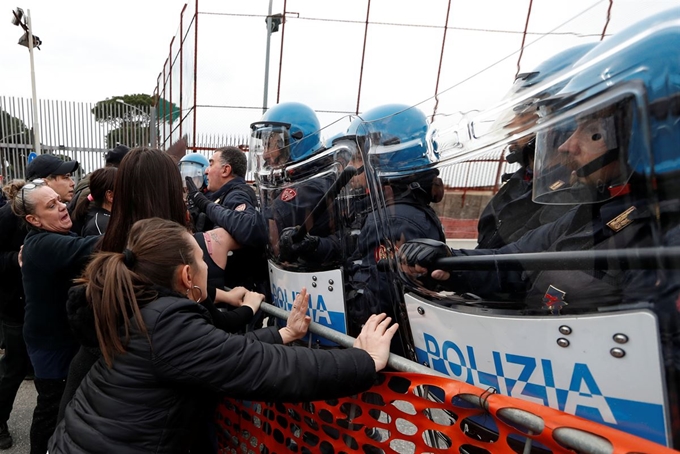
[52,257]
[160,351]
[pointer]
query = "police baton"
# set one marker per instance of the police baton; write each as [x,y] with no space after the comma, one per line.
[635,259]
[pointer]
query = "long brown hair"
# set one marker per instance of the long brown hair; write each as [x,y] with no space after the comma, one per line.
[148,184]
[101,181]
[118,284]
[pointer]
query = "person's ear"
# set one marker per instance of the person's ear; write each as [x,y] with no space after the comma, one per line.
[33,220]
[185,276]
[226,171]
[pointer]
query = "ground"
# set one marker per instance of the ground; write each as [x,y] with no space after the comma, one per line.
[20,420]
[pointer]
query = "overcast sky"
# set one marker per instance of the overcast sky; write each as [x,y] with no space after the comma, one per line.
[93,50]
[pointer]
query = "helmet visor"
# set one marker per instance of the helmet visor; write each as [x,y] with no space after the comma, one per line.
[270,145]
[192,170]
[583,159]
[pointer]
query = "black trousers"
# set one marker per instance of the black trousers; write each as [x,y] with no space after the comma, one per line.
[14,366]
[45,413]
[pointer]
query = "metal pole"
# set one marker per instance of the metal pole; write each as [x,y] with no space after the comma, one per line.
[36,124]
[266,62]
[152,125]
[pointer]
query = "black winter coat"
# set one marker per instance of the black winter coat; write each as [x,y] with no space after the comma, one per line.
[12,234]
[51,261]
[145,402]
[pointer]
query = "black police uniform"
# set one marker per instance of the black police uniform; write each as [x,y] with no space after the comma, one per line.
[626,221]
[372,291]
[511,213]
[293,206]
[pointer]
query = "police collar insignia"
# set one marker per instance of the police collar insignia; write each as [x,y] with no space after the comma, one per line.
[288,194]
[554,299]
[621,221]
[241,207]
[556,185]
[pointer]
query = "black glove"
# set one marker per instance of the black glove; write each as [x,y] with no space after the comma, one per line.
[290,249]
[194,195]
[423,252]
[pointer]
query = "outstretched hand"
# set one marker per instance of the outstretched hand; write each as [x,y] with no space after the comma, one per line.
[298,320]
[375,338]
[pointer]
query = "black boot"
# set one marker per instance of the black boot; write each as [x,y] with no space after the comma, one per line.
[5,437]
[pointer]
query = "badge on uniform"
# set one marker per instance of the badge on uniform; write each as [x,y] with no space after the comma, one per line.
[288,194]
[556,185]
[554,299]
[380,253]
[241,207]
[621,221]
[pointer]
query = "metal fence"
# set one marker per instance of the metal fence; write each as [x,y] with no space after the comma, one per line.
[78,131]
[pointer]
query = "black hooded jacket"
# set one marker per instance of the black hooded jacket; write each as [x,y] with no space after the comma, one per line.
[146,401]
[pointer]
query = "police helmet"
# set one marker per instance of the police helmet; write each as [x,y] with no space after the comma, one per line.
[396,135]
[523,150]
[621,106]
[286,133]
[194,165]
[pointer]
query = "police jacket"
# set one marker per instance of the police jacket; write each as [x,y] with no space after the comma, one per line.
[12,233]
[622,222]
[511,213]
[372,289]
[145,401]
[50,263]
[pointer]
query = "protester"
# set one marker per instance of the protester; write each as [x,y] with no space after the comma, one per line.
[52,258]
[14,364]
[93,212]
[159,346]
[148,184]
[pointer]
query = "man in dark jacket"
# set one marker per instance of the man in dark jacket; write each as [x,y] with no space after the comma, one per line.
[14,364]
[233,206]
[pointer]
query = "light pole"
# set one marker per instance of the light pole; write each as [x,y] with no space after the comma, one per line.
[273,23]
[30,41]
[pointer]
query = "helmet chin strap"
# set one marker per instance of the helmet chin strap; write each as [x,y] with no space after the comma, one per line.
[596,164]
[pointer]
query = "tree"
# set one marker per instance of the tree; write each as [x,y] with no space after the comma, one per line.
[130,119]
[13,131]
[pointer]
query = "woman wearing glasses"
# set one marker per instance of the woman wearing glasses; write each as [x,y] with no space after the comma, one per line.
[52,258]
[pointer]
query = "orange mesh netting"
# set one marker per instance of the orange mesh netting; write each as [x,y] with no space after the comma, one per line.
[409,413]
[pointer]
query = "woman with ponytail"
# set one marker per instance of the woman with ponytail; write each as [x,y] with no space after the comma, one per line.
[160,351]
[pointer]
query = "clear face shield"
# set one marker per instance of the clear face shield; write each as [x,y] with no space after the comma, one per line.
[193,170]
[269,145]
[583,159]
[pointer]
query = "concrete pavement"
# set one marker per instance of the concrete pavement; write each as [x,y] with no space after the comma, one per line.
[20,419]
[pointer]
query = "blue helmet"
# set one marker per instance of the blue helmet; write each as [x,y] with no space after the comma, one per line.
[625,93]
[549,68]
[397,136]
[286,133]
[523,150]
[194,165]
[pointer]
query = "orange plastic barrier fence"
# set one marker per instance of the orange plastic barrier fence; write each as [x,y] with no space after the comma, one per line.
[411,413]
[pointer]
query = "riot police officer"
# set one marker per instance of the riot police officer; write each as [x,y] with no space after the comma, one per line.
[511,212]
[288,134]
[603,169]
[232,204]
